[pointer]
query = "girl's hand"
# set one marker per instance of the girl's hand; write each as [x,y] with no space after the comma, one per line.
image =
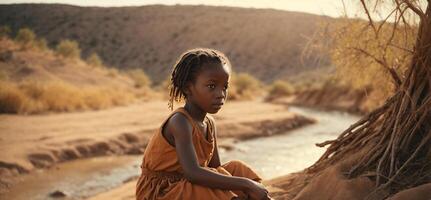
[256,191]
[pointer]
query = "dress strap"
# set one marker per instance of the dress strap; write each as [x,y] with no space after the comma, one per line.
[181,110]
[211,127]
[184,111]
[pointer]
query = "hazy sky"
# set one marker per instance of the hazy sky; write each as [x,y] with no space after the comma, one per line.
[332,8]
[321,7]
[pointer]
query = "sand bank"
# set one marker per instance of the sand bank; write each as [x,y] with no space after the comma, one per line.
[30,142]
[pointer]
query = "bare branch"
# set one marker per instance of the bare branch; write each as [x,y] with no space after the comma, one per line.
[386,19]
[381,62]
[401,48]
[415,9]
[392,72]
[369,17]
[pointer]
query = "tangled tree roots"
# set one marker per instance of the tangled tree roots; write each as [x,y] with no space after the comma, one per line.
[397,135]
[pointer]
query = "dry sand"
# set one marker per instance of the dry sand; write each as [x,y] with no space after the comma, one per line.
[29,142]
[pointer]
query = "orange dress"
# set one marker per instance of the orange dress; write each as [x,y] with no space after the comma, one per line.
[162,178]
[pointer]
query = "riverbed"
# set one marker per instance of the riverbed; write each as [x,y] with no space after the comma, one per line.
[269,156]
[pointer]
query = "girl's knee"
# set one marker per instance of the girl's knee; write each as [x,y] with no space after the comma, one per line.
[239,168]
[236,163]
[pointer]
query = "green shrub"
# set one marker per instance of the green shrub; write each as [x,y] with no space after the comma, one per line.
[244,87]
[140,77]
[94,60]
[5,31]
[41,44]
[25,37]
[280,89]
[68,49]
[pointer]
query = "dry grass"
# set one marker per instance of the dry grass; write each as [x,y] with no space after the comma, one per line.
[68,49]
[244,86]
[31,97]
[34,80]
[94,60]
[140,77]
[11,98]
[279,89]
[113,72]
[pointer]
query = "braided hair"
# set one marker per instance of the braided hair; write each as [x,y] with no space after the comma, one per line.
[186,68]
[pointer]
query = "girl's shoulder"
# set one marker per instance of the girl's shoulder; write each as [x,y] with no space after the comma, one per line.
[177,125]
[178,121]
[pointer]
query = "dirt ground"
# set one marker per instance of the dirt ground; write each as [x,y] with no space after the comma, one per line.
[37,141]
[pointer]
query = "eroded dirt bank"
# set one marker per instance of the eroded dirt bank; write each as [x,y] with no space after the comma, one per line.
[31,142]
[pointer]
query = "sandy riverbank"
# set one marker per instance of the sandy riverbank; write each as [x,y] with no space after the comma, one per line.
[127,191]
[30,142]
[330,183]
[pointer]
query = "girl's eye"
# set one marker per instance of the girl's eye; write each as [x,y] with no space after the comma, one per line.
[226,87]
[211,86]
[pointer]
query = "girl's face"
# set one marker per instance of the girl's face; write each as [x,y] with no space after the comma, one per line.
[209,91]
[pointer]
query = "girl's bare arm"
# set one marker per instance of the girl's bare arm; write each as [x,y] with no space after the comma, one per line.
[179,127]
[215,160]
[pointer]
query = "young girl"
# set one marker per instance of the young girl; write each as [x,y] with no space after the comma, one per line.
[181,160]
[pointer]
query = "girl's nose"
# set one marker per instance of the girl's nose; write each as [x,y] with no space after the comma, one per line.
[221,94]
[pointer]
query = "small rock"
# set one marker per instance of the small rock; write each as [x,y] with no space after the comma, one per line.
[227,147]
[6,56]
[58,194]
[135,150]
[130,179]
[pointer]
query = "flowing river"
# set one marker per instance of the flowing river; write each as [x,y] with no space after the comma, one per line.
[286,153]
[270,157]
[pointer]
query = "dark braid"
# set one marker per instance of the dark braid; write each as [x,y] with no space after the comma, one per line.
[186,68]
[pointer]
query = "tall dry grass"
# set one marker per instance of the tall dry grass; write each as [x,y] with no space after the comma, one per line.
[279,89]
[68,49]
[34,93]
[31,97]
[139,76]
[244,86]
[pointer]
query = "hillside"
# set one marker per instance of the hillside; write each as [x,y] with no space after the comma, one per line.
[44,66]
[35,81]
[264,42]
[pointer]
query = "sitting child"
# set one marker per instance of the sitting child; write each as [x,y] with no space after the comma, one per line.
[181,160]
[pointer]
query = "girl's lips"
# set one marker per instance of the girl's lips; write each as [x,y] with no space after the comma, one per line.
[218,105]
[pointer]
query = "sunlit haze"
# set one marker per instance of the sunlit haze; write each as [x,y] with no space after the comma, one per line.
[332,8]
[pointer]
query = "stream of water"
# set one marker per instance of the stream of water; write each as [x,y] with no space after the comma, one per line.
[286,153]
